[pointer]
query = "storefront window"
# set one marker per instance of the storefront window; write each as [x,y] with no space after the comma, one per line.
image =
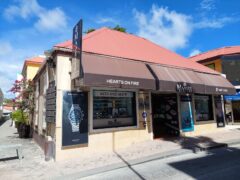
[113,109]
[203,108]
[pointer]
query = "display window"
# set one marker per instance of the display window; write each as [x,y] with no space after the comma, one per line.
[203,107]
[113,109]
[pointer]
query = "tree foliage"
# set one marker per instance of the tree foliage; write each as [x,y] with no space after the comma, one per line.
[90,30]
[119,28]
[24,101]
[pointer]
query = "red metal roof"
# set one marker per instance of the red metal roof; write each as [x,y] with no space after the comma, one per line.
[216,53]
[110,42]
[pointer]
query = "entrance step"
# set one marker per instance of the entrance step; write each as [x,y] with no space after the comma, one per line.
[204,146]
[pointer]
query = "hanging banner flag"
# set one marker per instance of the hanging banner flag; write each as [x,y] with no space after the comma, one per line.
[75,118]
[77,44]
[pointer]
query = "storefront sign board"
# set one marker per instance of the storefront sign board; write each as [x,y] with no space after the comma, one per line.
[219,111]
[186,113]
[75,118]
[51,103]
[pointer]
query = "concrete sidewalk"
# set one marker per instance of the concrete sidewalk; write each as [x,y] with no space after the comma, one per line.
[33,166]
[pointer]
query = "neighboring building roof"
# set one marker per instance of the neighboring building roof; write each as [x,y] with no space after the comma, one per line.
[36,61]
[215,53]
[8,108]
[110,42]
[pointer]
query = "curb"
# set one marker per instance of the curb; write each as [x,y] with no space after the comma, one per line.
[159,156]
[103,169]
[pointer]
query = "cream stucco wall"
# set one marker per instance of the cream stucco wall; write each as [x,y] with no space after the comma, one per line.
[201,129]
[105,141]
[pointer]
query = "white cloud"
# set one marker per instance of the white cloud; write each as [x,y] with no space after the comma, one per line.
[207,5]
[164,27]
[171,29]
[24,9]
[104,20]
[47,19]
[194,52]
[5,48]
[215,23]
[52,20]
[11,64]
[8,74]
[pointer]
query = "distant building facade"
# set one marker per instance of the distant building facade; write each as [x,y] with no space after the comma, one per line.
[225,60]
[1,103]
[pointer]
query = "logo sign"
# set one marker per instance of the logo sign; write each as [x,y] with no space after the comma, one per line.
[122,82]
[221,90]
[75,118]
[183,87]
[77,44]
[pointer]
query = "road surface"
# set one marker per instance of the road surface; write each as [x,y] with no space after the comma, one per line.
[217,164]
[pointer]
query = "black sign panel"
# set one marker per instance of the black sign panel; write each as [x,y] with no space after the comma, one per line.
[75,118]
[219,111]
[183,87]
[51,103]
[77,44]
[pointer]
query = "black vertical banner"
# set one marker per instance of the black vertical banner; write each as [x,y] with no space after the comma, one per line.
[75,118]
[219,111]
[77,44]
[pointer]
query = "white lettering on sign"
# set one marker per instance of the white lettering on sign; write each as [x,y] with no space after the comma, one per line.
[123,82]
[221,90]
[184,88]
[112,94]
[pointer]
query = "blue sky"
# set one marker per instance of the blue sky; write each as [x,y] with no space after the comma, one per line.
[188,27]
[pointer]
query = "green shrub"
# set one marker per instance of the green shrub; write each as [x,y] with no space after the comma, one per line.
[20,116]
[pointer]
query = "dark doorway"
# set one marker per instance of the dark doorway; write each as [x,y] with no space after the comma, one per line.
[165,115]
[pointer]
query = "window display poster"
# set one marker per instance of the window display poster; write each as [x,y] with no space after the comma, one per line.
[75,118]
[186,114]
[219,111]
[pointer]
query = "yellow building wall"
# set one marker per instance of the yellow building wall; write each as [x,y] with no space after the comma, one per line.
[31,71]
[217,63]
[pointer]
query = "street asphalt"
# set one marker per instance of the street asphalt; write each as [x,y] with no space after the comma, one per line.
[222,163]
[148,160]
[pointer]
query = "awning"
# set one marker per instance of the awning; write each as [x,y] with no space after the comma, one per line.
[235,97]
[106,71]
[116,72]
[169,78]
[187,81]
[216,84]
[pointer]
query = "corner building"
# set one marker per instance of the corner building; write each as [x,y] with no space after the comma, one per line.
[125,90]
